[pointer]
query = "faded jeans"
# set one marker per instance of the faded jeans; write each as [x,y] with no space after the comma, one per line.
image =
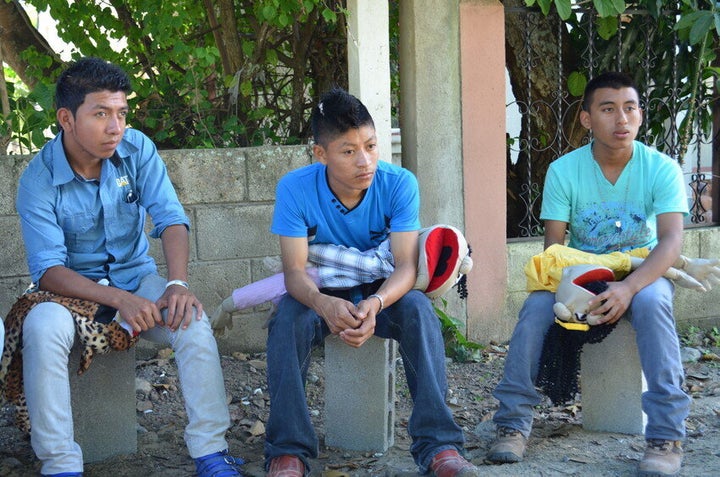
[650,314]
[48,336]
[412,322]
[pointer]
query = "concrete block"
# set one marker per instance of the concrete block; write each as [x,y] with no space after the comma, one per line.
[709,242]
[519,254]
[232,232]
[212,282]
[360,394]
[207,176]
[103,403]
[248,335]
[12,260]
[267,164]
[612,383]
[11,168]
[10,289]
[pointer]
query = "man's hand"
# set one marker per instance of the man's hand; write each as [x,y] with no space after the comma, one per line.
[339,314]
[610,305]
[179,302]
[366,311]
[140,313]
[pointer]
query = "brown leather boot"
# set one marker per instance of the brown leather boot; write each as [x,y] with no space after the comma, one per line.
[449,463]
[662,458]
[286,466]
[509,446]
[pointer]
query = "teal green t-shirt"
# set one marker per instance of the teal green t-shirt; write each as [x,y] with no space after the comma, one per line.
[603,217]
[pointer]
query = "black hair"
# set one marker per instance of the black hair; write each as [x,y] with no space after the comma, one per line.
[611,79]
[336,113]
[85,76]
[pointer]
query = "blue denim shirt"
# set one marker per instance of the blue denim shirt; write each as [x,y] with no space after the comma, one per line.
[96,227]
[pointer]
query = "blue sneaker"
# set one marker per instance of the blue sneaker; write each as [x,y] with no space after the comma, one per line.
[219,464]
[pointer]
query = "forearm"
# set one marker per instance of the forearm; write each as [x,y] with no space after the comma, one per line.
[662,257]
[302,287]
[66,282]
[176,249]
[397,284]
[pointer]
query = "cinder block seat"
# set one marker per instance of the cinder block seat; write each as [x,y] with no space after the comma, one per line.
[612,383]
[361,379]
[103,404]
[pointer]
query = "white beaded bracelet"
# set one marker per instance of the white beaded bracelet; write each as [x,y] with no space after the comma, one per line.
[380,299]
[177,282]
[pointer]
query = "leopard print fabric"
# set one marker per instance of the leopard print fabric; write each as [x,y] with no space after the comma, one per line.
[95,338]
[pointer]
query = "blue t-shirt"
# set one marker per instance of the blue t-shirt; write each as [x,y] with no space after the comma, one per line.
[603,217]
[96,227]
[306,207]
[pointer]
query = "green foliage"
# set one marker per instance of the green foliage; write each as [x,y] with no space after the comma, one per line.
[683,73]
[184,95]
[696,337]
[576,83]
[31,114]
[608,8]
[696,25]
[689,335]
[605,8]
[714,336]
[607,27]
[457,347]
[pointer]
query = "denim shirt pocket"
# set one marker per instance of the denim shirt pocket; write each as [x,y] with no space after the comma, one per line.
[81,232]
[126,219]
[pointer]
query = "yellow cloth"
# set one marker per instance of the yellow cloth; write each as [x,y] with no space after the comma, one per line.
[544,271]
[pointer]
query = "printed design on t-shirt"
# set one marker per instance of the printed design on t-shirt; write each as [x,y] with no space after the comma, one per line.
[610,226]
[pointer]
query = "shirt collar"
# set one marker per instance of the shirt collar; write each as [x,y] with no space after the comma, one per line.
[63,173]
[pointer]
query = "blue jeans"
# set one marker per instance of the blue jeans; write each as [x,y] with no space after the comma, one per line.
[650,314]
[48,336]
[412,322]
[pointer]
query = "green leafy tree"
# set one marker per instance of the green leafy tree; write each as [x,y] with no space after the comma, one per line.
[216,73]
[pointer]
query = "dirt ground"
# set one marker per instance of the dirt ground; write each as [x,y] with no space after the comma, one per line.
[558,446]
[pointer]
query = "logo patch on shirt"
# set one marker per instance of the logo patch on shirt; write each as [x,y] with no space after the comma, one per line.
[122,181]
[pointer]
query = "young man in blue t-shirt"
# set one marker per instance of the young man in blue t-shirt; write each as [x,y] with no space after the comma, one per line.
[614,194]
[350,198]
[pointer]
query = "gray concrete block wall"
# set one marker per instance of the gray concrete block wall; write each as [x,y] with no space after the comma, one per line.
[13,269]
[228,195]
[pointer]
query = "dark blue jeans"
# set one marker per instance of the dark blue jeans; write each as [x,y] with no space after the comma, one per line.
[295,329]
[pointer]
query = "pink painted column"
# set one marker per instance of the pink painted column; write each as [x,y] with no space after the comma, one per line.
[482,73]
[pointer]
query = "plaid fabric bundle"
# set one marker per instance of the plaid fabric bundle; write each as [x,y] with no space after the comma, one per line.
[347,267]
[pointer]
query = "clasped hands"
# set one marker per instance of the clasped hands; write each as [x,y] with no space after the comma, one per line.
[354,324]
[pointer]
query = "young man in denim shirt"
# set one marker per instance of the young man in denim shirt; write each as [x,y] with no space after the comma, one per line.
[82,202]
